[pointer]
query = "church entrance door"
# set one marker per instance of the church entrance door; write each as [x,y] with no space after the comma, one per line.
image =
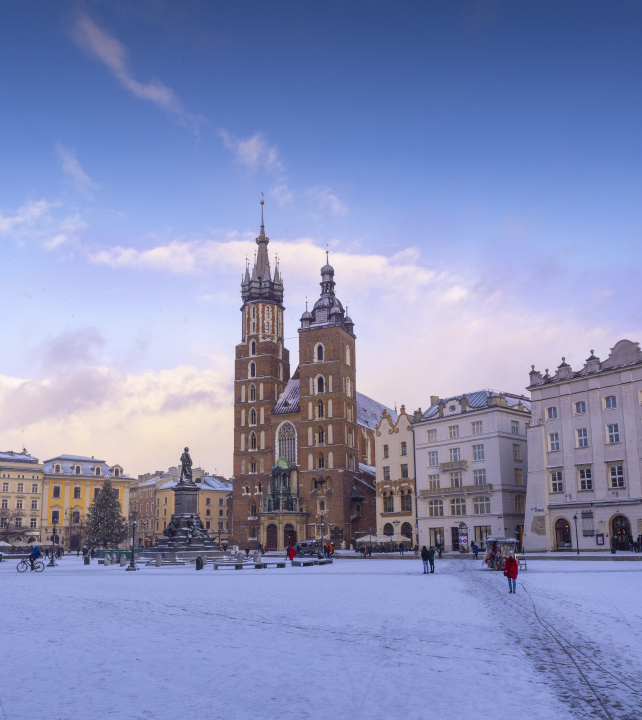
[289,535]
[271,537]
[621,532]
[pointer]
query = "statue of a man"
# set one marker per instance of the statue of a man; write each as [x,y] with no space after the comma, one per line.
[186,466]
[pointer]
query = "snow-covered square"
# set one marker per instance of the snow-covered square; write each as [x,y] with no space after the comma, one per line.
[373,639]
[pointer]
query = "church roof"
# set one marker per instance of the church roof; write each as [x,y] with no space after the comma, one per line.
[261,286]
[478,399]
[289,401]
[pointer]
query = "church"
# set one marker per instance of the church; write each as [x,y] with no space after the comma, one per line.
[303,441]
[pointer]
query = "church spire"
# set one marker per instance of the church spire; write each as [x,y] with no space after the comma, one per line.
[261,285]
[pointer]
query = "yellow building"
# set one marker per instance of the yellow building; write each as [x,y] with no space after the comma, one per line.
[70,484]
[214,502]
[20,497]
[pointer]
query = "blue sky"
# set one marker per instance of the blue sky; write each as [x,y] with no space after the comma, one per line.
[474,168]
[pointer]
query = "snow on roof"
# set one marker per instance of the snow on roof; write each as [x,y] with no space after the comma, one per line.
[87,467]
[23,457]
[75,457]
[478,399]
[206,483]
[289,399]
[367,468]
[369,411]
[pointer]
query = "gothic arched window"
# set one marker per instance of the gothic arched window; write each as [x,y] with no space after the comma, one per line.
[321,462]
[252,416]
[252,370]
[319,353]
[252,393]
[253,348]
[320,384]
[287,443]
[252,441]
[321,436]
[320,408]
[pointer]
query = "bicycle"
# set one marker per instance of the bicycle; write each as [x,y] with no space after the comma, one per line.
[25,565]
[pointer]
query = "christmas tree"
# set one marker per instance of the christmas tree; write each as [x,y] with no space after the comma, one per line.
[105,523]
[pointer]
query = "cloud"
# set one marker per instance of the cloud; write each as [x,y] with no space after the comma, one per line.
[25,216]
[70,228]
[71,167]
[71,349]
[326,200]
[112,53]
[282,194]
[254,152]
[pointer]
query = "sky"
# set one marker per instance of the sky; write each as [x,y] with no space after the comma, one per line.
[473,169]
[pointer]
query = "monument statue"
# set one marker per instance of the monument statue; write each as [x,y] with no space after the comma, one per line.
[186,466]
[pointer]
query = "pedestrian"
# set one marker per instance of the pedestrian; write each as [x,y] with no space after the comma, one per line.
[416,550]
[440,548]
[46,551]
[475,550]
[431,558]
[511,568]
[291,553]
[425,557]
[92,553]
[84,550]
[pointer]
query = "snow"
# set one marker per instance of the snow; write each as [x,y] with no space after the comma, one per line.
[371,639]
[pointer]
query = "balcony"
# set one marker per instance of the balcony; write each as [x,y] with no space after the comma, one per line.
[454,465]
[464,489]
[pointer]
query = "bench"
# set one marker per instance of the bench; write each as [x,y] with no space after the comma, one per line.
[240,566]
[303,563]
[522,565]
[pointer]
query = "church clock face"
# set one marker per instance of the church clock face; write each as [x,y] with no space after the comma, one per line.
[452,408]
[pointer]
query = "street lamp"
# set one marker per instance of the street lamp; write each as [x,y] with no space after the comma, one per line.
[132,522]
[220,527]
[51,562]
[577,539]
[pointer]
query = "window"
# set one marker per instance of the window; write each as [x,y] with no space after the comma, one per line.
[477,427]
[514,427]
[18,504]
[518,475]
[220,500]
[34,488]
[455,479]
[287,443]
[580,407]
[613,433]
[57,468]
[320,409]
[252,469]
[321,436]
[520,503]
[432,435]
[479,477]
[5,487]
[517,452]
[404,448]
[34,504]
[586,479]
[617,476]
[319,353]
[55,517]
[267,312]
[97,491]
[610,402]
[116,472]
[77,493]
[253,509]
[18,522]
[551,413]
[5,503]
[454,455]
[433,482]
[114,493]
[97,471]
[33,523]
[557,484]
[252,392]
[56,491]
[267,326]
[435,508]
[582,437]
[320,384]
[433,460]
[385,451]
[21,487]
[252,416]
[75,516]
[252,441]
[478,452]
[406,502]
[458,506]
[220,512]
[388,503]
[78,470]
[321,462]
[252,370]
[553,441]
[404,472]
[386,473]
[453,432]
[481,505]
[253,347]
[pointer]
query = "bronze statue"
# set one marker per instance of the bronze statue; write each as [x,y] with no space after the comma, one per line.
[186,466]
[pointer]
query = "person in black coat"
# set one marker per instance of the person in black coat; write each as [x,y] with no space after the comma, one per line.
[431,558]
[425,557]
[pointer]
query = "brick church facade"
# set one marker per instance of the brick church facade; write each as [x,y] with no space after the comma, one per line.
[303,442]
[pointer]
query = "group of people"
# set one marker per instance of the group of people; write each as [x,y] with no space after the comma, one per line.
[428,557]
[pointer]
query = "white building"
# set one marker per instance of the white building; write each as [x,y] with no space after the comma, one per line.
[395,472]
[584,450]
[471,468]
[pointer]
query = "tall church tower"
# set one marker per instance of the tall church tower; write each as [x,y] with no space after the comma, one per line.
[328,433]
[262,369]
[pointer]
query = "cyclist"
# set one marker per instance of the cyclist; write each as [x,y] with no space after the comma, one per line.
[35,554]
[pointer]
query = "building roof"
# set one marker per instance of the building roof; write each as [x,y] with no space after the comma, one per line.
[289,400]
[367,468]
[206,483]
[478,399]
[14,457]
[67,462]
[369,411]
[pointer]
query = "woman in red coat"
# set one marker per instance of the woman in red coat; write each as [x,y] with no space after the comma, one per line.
[511,568]
[291,553]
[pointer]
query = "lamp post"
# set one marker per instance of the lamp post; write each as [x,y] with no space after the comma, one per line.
[51,562]
[220,527]
[322,532]
[132,522]
[577,539]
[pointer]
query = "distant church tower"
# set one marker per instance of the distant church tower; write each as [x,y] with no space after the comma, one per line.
[262,370]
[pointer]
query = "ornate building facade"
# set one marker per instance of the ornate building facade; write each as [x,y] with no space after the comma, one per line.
[303,443]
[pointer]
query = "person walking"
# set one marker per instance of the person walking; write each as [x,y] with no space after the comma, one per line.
[511,568]
[440,549]
[475,550]
[425,557]
[92,552]
[431,558]
[291,553]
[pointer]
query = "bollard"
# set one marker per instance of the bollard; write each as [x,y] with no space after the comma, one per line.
[123,560]
[86,560]
[159,560]
[107,560]
[199,563]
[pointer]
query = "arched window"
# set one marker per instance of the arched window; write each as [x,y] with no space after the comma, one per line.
[406,502]
[388,502]
[321,505]
[253,347]
[252,441]
[57,469]
[347,354]
[287,442]
[253,509]
[258,487]
[388,529]
[116,472]
[520,501]
[252,392]
[267,312]
[242,393]
[252,469]
[97,471]
[320,409]
[435,508]
[252,370]
[481,505]
[252,416]
[320,384]
[320,462]
[253,312]
[77,469]
[406,530]
[321,436]
[319,353]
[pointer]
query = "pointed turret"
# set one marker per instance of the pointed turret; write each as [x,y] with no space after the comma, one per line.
[260,285]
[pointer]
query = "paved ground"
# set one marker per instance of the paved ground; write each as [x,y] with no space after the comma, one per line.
[357,639]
